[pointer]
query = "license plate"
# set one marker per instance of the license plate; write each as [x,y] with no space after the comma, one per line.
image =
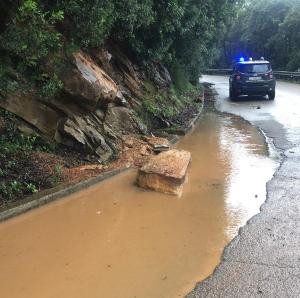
[255,78]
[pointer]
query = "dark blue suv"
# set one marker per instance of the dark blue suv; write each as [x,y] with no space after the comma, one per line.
[252,78]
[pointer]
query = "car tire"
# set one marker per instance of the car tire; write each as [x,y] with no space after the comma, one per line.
[271,95]
[232,94]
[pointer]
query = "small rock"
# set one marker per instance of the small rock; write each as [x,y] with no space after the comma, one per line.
[161,148]
[120,100]
[100,114]
[258,108]
[144,151]
[128,143]
[129,165]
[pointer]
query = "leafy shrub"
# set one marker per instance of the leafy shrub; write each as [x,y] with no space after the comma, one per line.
[31,187]
[11,141]
[91,20]
[49,85]
[25,173]
[56,176]
[28,40]
[179,77]
[8,82]
[181,33]
[168,104]
[30,34]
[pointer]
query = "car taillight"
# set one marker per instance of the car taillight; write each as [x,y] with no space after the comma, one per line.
[271,76]
[238,77]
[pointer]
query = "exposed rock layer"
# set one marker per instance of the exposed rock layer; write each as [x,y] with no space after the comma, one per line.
[96,106]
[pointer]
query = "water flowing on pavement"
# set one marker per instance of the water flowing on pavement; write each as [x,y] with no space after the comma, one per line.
[115,240]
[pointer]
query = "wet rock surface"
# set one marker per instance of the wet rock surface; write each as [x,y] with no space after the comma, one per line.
[121,120]
[87,82]
[34,112]
[161,75]
[165,172]
[85,132]
[264,259]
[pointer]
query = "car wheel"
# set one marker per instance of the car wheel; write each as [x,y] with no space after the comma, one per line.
[272,95]
[232,93]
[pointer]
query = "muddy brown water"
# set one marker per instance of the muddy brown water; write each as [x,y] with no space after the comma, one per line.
[115,240]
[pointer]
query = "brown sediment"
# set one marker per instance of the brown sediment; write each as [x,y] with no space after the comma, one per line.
[115,240]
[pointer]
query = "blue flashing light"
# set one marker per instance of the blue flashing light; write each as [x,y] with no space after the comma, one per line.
[242,59]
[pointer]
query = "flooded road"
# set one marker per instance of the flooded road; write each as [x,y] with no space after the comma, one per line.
[264,259]
[282,114]
[115,240]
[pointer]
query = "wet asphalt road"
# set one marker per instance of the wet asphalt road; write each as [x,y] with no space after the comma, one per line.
[264,259]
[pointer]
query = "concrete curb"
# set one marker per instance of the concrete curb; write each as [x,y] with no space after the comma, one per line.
[194,121]
[58,195]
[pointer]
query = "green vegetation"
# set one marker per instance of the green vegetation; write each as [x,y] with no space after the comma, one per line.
[11,141]
[167,105]
[26,43]
[178,33]
[268,28]
[55,178]
[20,171]
[37,36]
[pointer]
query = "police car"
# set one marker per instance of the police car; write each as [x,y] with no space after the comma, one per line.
[252,77]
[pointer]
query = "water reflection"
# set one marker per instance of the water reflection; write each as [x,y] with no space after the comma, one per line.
[243,194]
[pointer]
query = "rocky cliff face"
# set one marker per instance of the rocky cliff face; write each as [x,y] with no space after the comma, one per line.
[96,107]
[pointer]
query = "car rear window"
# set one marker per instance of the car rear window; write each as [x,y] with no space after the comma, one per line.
[252,68]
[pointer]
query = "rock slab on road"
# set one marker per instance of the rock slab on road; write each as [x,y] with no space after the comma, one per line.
[165,172]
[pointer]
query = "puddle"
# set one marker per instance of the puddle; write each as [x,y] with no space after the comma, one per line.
[117,241]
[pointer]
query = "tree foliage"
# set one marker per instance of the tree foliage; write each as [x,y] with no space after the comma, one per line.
[179,33]
[268,28]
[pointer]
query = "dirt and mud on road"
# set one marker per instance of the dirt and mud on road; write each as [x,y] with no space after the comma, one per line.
[116,240]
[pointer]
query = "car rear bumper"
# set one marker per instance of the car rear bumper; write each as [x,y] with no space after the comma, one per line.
[261,88]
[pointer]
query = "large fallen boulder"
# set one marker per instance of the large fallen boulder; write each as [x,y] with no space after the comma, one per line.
[165,172]
[87,82]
